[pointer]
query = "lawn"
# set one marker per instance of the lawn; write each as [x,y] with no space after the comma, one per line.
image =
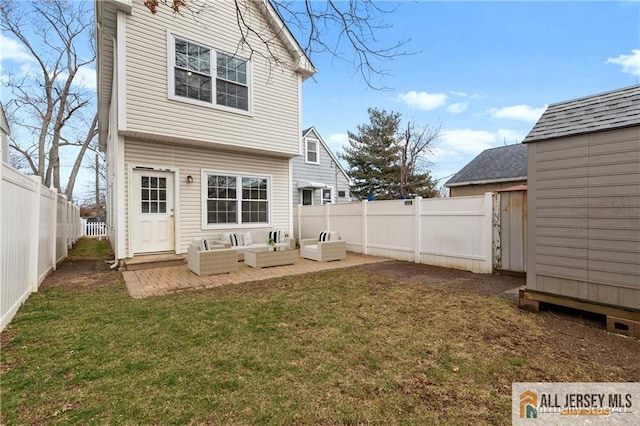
[343,346]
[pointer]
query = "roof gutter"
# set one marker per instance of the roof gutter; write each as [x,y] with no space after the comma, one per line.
[484,182]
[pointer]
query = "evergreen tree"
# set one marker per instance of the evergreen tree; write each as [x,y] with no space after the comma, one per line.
[388,164]
[372,155]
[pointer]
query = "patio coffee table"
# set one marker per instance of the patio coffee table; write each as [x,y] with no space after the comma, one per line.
[262,257]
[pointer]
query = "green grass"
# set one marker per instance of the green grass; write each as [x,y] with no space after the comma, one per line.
[90,249]
[340,347]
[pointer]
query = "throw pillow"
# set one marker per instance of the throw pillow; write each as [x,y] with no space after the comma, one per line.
[324,236]
[275,236]
[235,239]
[206,244]
[247,238]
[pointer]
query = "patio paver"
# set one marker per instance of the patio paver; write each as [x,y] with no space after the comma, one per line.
[170,279]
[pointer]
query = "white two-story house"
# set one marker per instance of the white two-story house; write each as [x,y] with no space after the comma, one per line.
[199,128]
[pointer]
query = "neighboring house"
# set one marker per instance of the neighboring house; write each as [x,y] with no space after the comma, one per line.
[4,135]
[584,204]
[318,177]
[492,170]
[199,131]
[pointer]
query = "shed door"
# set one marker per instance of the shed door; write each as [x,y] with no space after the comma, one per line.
[152,224]
[513,231]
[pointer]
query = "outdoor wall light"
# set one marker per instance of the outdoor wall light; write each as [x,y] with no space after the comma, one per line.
[408,203]
[189,179]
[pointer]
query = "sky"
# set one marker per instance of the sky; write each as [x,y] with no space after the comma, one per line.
[482,71]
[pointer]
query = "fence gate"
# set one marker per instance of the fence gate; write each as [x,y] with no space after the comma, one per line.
[512,245]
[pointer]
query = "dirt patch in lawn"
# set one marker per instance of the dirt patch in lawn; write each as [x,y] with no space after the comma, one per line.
[81,275]
[569,331]
[484,284]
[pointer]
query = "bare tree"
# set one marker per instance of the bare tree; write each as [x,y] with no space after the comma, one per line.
[415,144]
[47,100]
[344,29]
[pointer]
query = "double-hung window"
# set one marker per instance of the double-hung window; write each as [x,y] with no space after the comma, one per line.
[312,151]
[203,74]
[236,200]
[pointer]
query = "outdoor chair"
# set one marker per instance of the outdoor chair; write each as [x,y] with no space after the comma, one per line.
[211,259]
[327,247]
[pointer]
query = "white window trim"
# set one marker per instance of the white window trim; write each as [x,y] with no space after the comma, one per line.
[331,200]
[203,198]
[171,78]
[306,150]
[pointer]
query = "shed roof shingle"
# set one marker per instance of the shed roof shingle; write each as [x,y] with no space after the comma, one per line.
[604,111]
[495,164]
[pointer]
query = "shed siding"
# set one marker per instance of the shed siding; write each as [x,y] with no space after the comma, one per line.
[468,190]
[274,120]
[584,196]
[326,172]
[192,161]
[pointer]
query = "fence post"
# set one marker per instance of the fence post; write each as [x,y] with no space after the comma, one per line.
[34,248]
[327,216]
[64,228]
[364,227]
[1,231]
[54,234]
[417,211]
[299,222]
[488,231]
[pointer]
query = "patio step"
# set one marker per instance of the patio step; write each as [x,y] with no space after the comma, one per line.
[153,261]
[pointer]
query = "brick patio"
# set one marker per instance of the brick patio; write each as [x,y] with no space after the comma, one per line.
[170,279]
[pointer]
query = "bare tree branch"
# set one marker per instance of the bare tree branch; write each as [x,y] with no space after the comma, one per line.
[325,27]
[47,100]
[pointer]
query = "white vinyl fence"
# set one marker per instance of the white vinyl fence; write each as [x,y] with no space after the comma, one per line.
[94,229]
[37,228]
[451,232]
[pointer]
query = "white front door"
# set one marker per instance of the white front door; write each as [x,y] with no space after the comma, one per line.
[152,210]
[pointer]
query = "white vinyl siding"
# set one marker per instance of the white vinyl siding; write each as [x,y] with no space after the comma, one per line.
[192,161]
[273,123]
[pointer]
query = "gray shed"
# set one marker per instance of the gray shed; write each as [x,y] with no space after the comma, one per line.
[584,205]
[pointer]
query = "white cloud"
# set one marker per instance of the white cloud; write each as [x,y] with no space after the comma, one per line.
[509,136]
[466,141]
[630,63]
[337,142]
[461,94]
[86,77]
[457,108]
[13,50]
[518,112]
[423,100]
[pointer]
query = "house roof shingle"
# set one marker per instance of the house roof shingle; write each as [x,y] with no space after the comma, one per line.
[604,111]
[496,164]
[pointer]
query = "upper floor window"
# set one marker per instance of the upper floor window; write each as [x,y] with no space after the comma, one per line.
[206,75]
[312,151]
